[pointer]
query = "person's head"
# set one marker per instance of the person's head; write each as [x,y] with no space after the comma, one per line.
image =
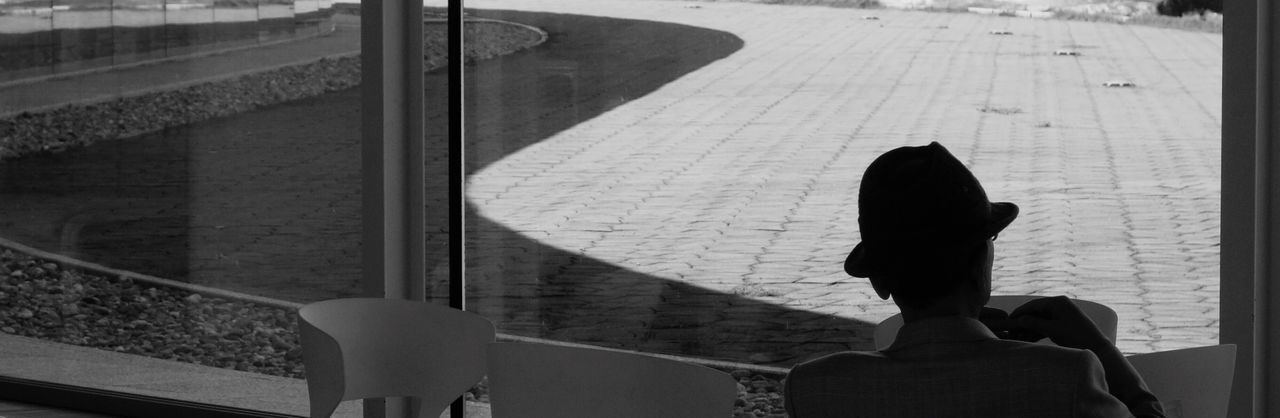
[927,227]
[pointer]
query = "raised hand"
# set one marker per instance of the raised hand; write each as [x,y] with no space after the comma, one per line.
[999,323]
[1060,320]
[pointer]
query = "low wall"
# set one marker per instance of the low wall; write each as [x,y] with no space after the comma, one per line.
[47,37]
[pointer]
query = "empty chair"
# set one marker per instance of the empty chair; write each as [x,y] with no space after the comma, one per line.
[1190,382]
[1101,315]
[372,348]
[547,381]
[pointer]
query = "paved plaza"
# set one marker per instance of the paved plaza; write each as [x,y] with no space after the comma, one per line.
[682,177]
[741,176]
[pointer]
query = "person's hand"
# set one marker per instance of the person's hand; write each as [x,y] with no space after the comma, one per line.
[1060,320]
[1064,323]
[999,323]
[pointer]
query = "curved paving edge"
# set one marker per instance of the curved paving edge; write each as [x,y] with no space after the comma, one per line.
[542,34]
[783,137]
[153,280]
[283,304]
[955,118]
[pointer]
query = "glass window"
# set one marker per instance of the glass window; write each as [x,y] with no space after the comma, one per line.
[161,222]
[681,178]
[666,177]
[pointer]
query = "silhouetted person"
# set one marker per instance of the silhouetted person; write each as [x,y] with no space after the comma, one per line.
[927,242]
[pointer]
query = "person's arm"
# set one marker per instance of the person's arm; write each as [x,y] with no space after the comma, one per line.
[1063,322]
[1126,384]
[1092,398]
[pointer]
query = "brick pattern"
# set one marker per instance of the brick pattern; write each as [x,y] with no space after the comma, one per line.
[686,182]
[741,178]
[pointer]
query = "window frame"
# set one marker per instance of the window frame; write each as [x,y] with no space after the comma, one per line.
[1250,201]
[1251,205]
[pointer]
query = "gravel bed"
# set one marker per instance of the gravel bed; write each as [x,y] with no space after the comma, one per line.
[42,299]
[58,129]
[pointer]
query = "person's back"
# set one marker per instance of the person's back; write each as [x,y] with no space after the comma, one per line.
[928,233]
[950,368]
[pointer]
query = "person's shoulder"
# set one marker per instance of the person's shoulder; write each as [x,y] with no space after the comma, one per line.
[1044,354]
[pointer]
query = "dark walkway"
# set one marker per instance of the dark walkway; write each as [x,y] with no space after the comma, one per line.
[268,202]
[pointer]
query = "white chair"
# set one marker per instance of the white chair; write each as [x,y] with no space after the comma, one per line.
[1190,382]
[547,381]
[372,348]
[1101,315]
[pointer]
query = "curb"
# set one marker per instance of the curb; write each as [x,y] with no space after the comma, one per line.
[542,34]
[102,270]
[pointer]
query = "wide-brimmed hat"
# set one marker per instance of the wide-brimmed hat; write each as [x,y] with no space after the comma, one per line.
[920,200]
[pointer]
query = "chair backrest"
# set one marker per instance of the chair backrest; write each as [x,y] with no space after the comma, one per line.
[1101,315]
[1190,382]
[372,348]
[546,381]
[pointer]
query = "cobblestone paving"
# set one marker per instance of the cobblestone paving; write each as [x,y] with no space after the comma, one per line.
[741,177]
[679,189]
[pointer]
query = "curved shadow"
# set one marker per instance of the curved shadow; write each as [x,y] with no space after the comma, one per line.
[268,202]
[587,67]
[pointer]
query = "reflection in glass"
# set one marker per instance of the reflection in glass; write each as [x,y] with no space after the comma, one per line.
[306,15]
[26,37]
[305,9]
[138,29]
[188,25]
[82,33]
[275,19]
[325,11]
[90,203]
[236,21]
[261,200]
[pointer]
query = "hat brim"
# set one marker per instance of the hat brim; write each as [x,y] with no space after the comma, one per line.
[1002,214]
[857,264]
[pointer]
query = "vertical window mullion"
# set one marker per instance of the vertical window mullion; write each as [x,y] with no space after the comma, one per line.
[1250,205]
[457,174]
[393,192]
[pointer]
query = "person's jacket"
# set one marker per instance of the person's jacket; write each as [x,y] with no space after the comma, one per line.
[955,367]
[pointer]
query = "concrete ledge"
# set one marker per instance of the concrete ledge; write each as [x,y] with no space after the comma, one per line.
[34,359]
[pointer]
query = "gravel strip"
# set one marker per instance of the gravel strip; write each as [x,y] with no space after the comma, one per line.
[82,124]
[42,299]
[39,299]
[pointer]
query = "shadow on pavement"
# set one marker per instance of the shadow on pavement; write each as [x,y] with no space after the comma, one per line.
[268,202]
